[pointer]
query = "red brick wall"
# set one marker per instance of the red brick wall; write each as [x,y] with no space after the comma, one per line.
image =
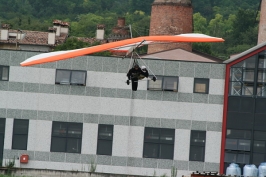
[170,19]
[121,22]
[262,25]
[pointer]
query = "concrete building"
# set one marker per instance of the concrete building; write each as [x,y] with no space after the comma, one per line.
[67,114]
[34,40]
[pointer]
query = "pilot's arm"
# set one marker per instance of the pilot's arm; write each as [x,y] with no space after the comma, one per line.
[129,74]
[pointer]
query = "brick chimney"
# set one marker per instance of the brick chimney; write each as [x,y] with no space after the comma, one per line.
[262,24]
[171,17]
[121,21]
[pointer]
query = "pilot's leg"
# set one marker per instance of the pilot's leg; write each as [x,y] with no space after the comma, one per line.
[134,84]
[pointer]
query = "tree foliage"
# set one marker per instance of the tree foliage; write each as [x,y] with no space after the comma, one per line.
[235,21]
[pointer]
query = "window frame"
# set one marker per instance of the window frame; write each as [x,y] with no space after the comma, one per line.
[15,133]
[105,140]
[195,145]
[70,77]
[66,136]
[1,72]
[159,143]
[201,81]
[163,79]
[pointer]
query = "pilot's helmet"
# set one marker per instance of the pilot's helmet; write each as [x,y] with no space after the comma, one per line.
[143,67]
[136,66]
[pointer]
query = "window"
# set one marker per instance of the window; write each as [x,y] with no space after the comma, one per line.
[201,85]
[2,136]
[4,73]
[165,83]
[248,77]
[66,137]
[70,77]
[20,134]
[197,145]
[259,147]
[159,143]
[237,146]
[105,139]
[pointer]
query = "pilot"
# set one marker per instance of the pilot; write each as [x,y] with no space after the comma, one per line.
[145,71]
[133,75]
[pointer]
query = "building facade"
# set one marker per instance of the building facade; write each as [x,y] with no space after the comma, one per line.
[243,138]
[70,114]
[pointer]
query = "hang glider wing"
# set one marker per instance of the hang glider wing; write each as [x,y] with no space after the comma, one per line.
[118,45]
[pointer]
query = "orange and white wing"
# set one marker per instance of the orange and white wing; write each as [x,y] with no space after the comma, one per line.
[118,45]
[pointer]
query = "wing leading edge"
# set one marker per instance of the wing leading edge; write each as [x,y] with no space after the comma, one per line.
[63,55]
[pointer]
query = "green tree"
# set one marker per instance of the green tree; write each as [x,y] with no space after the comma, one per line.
[243,24]
[71,43]
[199,23]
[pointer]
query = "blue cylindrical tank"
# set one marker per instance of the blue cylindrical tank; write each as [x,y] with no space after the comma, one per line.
[250,170]
[262,169]
[233,170]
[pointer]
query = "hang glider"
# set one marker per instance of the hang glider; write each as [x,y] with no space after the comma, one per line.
[127,45]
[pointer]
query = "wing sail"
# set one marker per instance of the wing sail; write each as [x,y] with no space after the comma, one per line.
[63,55]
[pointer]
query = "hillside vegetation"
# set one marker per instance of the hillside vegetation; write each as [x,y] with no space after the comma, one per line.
[235,21]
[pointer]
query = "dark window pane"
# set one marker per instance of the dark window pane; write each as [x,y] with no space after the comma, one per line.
[78,77]
[159,143]
[66,137]
[152,134]
[167,136]
[236,74]
[262,60]
[170,83]
[58,144]
[247,89]
[248,75]
[20,126]
[231,144]
[1,146]
[75,130]
[258,158]
[244,145]
[261,90]
[230,157]
[157,85]
[201,85]
[5,73]
[243,134]
[2,125]
[105,132]
[235,88]
[196,153]
[167,151]
[104,147]
[261,76]
[62,77]
[258,135]
[59,129]
[74,145]
[198,138]
[243,158]
[259,146]
[20,142]
[250,62]
[151,150]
